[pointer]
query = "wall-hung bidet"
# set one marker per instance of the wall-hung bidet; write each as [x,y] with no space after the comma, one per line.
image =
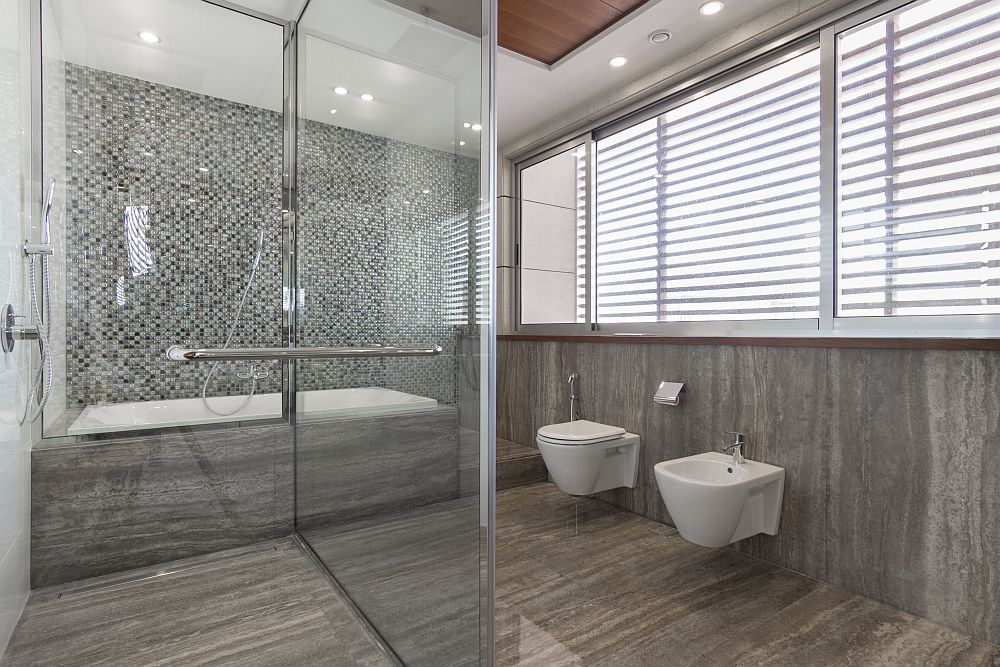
[715,499]
[585,457]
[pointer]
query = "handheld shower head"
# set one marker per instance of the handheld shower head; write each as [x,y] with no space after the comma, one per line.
[46,235]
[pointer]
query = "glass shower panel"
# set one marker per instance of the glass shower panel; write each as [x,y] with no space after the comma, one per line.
[393,250]
[163,135]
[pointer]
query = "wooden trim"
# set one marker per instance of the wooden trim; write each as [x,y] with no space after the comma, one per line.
[990,344]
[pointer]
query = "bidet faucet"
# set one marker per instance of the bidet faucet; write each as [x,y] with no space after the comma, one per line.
[736,446]
[573,378]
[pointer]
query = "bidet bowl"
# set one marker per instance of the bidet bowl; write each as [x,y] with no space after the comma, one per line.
[714,502]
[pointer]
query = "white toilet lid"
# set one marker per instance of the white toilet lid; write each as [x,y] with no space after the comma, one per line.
[579,432]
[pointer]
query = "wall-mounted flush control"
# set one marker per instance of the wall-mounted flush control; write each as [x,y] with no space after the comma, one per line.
[11,331]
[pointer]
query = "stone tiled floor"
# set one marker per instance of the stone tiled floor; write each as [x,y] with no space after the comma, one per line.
[267,607]
[589,584]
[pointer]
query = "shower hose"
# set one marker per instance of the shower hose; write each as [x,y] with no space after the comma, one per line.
[229,338]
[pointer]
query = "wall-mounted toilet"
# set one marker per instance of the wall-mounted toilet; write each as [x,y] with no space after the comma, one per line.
[585,457]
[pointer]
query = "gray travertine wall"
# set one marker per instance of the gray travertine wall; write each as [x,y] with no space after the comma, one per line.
[891,456]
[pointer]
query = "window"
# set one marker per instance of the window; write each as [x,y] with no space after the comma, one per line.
[710,211]
[918,112]
[847,183]
[553,241]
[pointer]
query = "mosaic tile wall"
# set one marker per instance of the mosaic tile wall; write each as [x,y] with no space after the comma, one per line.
[209,172]
[376,218]
[370,265]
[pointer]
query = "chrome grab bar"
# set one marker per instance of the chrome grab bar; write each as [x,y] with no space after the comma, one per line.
[178,353]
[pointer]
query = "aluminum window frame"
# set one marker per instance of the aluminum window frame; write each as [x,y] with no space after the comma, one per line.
[565,328]
[828,324]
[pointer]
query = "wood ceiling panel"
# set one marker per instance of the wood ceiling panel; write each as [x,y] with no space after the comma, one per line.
[546,30]
[625,6]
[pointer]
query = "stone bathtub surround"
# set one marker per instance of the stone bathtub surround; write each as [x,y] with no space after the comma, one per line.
[356,468]
[113,505]
[891,456]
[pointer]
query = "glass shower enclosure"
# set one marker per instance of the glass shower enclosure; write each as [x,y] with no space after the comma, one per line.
[285,222]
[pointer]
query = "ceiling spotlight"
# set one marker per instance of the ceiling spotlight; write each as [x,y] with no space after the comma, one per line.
[618,61]
[367,97]
[340,90]
[461,143]
[149,37]
[476,127]
[659,37]
[467,125]
[333,111]
[710,8]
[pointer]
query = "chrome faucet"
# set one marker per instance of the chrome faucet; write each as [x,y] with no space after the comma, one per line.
[573,396]
[736,446]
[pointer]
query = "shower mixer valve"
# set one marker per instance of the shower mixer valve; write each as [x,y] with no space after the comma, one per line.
[11,331]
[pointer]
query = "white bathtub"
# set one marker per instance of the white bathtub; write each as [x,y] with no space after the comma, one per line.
[313,405]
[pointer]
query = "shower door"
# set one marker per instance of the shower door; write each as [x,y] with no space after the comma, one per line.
[392,248]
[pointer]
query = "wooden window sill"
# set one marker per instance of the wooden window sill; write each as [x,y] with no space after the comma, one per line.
[991,344]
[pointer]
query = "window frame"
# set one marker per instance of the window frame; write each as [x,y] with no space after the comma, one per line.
[828,324]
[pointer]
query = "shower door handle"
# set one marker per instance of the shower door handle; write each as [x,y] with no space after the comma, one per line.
[177,353]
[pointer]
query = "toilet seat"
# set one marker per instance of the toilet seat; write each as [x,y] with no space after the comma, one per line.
[580,432]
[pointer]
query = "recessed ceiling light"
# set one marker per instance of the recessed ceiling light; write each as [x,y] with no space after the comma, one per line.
[476,127]
[467,125]
[710,8]
[618,61]
[149,37]
[461,143]
[367,97]
[333,111]
[340,90]
[659,37]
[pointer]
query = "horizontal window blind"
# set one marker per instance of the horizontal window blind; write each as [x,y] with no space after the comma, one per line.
[467,267]
[919,156]
[710,211]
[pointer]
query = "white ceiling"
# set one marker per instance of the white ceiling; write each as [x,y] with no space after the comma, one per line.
[204,48]
[531,95]
[424,75]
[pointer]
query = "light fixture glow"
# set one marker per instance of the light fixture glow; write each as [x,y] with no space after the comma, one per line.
[467,125]
[203,169]
[367,97]
[333,111]
[476,127]
[461,143]
[340,90]
[618,61]
[710,8]
[149,37]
